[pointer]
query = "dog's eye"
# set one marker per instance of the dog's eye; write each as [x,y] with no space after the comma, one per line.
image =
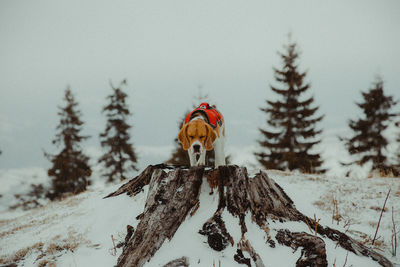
[202,137]
[191,136]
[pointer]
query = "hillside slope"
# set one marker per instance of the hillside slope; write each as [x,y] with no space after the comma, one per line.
[79,230]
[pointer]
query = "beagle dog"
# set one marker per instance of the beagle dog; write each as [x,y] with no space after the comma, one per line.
[204,129]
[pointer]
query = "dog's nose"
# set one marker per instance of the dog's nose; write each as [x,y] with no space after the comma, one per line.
[196,148]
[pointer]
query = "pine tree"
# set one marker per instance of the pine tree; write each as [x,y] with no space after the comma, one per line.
[368,142]
[70,171]
[291,120]
[120,156]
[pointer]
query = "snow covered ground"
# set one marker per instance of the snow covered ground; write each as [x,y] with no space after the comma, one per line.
[83,230]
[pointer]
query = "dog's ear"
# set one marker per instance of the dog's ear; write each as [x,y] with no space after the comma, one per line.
[182,137]
[211,136]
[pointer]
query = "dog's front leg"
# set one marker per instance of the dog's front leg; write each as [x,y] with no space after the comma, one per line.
[202,159]
[219,147]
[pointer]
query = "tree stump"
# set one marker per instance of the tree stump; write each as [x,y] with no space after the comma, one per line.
[174,194]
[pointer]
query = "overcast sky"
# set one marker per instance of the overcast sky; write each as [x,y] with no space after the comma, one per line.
[167,49]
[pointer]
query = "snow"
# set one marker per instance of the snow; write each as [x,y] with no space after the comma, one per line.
[18,181]
[78,231]
[359,202]
[87,220]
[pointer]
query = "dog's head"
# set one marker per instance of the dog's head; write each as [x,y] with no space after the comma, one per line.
[197,136]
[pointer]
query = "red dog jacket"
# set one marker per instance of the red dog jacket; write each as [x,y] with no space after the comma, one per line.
[211,114]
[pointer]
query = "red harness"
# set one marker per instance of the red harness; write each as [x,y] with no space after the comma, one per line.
[211,114]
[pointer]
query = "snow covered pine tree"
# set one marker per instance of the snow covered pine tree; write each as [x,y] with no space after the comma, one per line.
[368,142]
[291,133]
[120,156]
[70,171]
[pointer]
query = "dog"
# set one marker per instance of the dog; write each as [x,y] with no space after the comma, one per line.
[203,130]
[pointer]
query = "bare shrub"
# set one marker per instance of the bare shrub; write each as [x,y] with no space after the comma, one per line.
[394,235]
[21,254]
[31,200]
[336,216]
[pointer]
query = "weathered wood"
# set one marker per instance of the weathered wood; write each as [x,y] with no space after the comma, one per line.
[241,259]
[173,195]
[181,262]
[129,232]
[347,242]
[313,251]
[245,245]
[218,237]
[266,200]
[135,185]
[261,195]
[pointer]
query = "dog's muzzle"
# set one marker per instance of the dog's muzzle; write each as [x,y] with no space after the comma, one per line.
[196,148]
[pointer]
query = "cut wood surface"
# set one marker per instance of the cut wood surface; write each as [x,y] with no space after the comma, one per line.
[174,194]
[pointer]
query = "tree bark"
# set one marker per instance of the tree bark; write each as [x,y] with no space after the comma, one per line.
[174,194]
[313,252]
[181,262]
[170,198]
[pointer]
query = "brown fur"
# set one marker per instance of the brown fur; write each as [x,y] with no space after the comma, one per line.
[197,130]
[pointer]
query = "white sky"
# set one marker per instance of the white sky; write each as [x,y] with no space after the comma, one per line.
[167,49]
